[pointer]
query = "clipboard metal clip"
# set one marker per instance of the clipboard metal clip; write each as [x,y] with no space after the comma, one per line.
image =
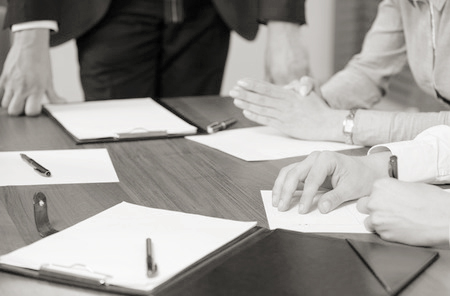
[41,215]
[76,273]
[140,133]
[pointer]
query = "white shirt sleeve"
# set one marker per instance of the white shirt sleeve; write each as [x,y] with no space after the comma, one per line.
[51,25]
[424,159]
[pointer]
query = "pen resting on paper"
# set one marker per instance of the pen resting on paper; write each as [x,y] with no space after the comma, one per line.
[36,166]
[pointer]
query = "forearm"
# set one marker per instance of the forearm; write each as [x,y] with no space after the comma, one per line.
[378,127]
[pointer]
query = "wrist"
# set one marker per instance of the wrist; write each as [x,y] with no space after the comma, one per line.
[335,125]
[35,38]
[379,163]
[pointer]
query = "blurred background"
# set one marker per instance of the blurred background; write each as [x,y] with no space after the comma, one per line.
[334,33]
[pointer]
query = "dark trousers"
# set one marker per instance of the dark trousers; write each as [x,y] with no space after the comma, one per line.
[133,53]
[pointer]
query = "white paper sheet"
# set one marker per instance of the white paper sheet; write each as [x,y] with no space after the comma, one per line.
[67,166]
[108,118]
[113,243]
[263,143]
[345,219]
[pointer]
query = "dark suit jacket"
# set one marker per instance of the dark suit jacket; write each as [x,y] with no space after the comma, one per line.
[75,17]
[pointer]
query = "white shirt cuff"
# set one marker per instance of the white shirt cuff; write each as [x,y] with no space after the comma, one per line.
[416,160]
[424,159]
[51,25]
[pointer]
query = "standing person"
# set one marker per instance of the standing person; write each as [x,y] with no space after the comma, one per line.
[139,48]
[413,31]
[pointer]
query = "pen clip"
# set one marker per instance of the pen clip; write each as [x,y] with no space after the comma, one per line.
[42,171]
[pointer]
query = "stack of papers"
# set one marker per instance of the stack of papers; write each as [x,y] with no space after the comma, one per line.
[112,120]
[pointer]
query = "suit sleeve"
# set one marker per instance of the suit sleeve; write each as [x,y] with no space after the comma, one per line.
[292,11]
[20,11]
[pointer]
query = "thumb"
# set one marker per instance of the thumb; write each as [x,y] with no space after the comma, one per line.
[331,200]
[306,86]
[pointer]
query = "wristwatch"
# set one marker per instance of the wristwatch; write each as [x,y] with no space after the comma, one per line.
[393,168]
[347,126]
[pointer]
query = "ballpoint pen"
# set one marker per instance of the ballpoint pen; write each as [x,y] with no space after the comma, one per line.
[151,265]
[36,166]
[220,125]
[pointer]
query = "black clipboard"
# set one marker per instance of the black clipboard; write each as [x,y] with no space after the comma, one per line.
[132,133]
[283,262]
[280,262]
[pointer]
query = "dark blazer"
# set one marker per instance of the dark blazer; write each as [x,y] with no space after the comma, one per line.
[75,17]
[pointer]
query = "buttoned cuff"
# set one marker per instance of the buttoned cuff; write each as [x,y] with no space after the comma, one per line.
[424,159]
[51,25]
[416,160]
[292,11]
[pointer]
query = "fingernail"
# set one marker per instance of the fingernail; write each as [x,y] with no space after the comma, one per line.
[275,201]
[280,205]
[301,208]
[325,206]
[304,91]
[234,93]
[242,83]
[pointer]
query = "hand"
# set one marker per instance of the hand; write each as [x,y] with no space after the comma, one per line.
[307,118]
[286,56]
[409,213]
[350,178]
[304,86]
[27,76]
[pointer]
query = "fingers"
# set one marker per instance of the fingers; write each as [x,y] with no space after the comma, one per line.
[33,105]
[279,184]
[331,200]
[7,97]
[288,181]
[262,87]
[368,224]
[323,166]
[306,86]
[17,104]
[256,104]
[240,94]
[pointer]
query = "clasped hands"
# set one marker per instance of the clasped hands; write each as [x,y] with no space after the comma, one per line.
[304,117]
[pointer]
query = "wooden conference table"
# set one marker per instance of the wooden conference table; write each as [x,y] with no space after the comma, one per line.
[174,174]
